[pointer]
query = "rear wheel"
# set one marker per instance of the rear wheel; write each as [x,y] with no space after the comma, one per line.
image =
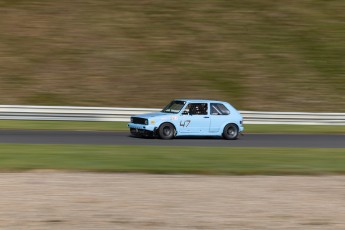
[166,131]
[230,132]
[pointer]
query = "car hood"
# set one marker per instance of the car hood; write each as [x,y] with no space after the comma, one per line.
[154,115]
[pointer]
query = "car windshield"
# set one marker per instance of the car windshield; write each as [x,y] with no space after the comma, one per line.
[174,107]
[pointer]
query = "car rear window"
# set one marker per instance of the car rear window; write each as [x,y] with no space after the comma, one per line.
[219,109]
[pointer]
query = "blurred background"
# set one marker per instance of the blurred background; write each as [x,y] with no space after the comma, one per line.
[258,55]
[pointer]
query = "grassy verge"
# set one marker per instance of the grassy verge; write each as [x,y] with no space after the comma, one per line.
[63,125]
[172,160]
[122,126]
[309,129]
[263,55]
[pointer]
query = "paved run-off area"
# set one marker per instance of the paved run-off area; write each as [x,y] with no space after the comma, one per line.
[62,200]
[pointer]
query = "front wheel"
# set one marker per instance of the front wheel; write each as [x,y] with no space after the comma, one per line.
[230,132]
[166,131]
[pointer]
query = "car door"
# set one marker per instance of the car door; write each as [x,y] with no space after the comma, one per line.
[195,120]
[219,115]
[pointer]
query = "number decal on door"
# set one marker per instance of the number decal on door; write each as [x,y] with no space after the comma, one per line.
[185,123]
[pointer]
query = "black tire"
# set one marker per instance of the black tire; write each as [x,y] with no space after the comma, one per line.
[166,131]
[231,132]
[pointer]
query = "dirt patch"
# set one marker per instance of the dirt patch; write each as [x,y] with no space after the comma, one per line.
[51,200]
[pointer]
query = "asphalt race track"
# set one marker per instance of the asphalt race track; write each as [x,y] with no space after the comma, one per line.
[123,138]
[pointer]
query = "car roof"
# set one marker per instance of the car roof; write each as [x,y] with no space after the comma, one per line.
[199,100]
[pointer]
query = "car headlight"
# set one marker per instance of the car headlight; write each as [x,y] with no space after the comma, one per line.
[146,122]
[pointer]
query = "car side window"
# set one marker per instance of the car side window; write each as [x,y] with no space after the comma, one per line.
[197,108]
[219,109]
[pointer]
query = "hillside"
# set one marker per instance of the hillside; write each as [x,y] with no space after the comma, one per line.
[259,55]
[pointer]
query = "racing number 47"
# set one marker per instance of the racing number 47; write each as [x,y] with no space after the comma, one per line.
[185,123]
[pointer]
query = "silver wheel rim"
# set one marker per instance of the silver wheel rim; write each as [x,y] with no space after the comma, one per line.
[166,131]
[232,131]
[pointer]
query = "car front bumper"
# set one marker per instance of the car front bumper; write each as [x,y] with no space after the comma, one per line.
[141,127]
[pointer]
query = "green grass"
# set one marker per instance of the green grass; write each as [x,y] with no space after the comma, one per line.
[308,129]
[173,160]
[63,125]
[260,55]
[122,126]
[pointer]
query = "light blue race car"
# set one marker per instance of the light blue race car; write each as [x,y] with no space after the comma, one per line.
[189,118]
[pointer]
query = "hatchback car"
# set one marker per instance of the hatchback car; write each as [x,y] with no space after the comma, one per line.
[189,118]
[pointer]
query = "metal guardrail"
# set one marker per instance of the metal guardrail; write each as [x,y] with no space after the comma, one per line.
[71,113]
[293,118]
